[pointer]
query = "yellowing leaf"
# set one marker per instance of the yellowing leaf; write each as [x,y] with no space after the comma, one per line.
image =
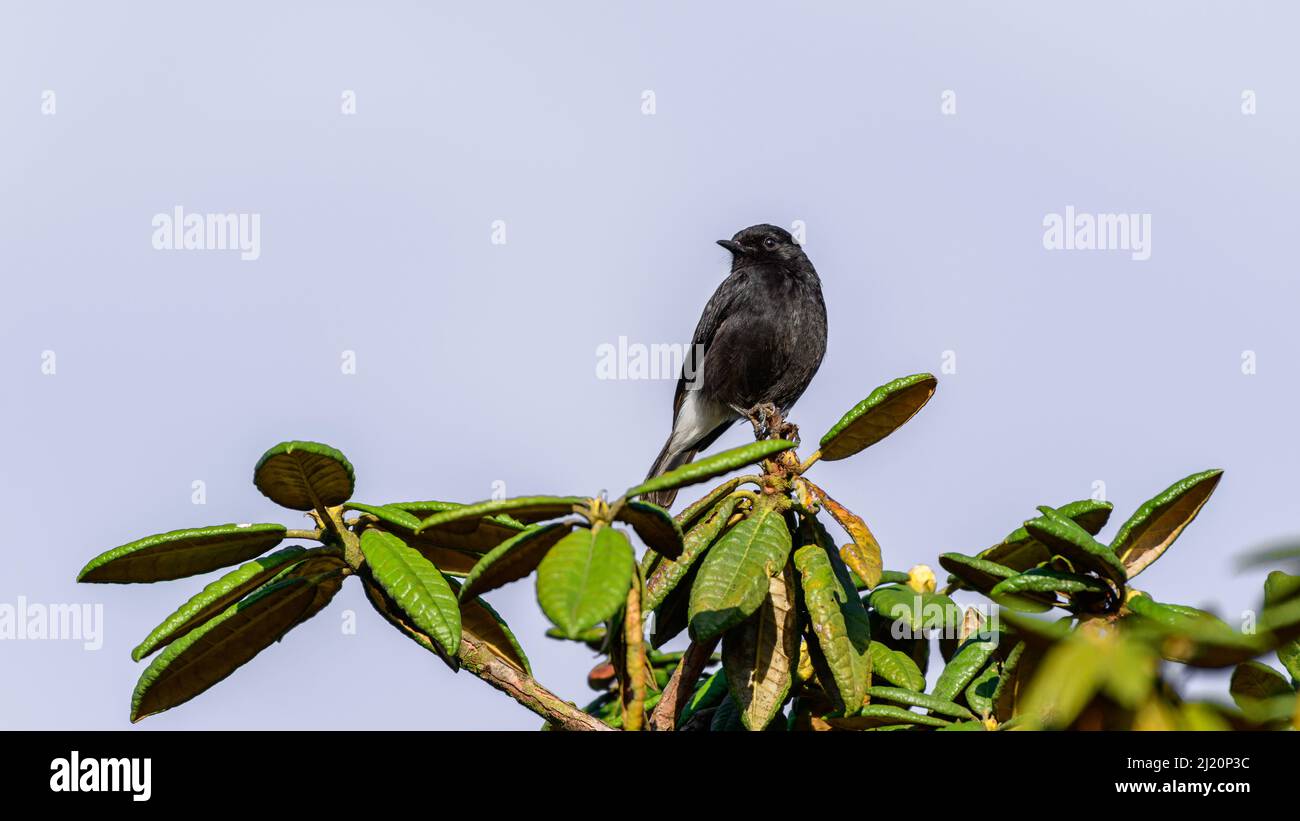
[759,654]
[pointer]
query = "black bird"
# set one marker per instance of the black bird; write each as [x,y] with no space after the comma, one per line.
[759,342]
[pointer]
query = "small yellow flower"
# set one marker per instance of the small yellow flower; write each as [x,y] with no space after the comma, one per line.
[921,579]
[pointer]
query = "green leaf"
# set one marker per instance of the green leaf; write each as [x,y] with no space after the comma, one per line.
[1281,589]
[319,563]
[1020,551]
[415,585]
[1019,555]
[1157,523]
[915,645]
[732,581]
[839,622]
[1089,514]
[593,638]
[917,610]
[516,521]
[963,726]
[1272,554]
[711,466]
[1185,610]
[662,575]
[1131,668]
[1035,591]
[1204,717]
[1281,622]
[392,614]
[486,533]
[1173,615]
[726,717]
[304,475]
[1010,683]
[181,553]
[424,509]
[1065,538]
[980,692]
[584,579]
[662,675]
[707,696]
[514,558]
[450,561]
[1253,682]
[217,596]
[893,577]
[896,667]
[672,616]
[977,574]
[1066,680]
[1038,633]
[885,410]
[879,715]
[760,654]
[971,657]
[911,698]
[668,661]
[655,527]
[215,649]
[705,504]
[465,518]
[388,515]
[1195,640]
[455,547]
[481,621]
[608,708]
[1275,713]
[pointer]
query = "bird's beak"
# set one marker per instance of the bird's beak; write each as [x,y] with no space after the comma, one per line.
[732,246]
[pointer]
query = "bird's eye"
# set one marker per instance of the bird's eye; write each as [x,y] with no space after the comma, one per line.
[769,243]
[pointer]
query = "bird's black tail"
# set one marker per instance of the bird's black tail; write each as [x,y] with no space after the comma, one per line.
[671,460]
[668,460]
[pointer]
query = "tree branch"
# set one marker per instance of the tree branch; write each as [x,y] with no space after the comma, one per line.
[523,688]
[682,683]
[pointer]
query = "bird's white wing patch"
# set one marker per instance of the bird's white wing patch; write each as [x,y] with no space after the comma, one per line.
[699,417]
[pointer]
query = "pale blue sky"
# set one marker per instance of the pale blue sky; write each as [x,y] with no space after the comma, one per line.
[476,362]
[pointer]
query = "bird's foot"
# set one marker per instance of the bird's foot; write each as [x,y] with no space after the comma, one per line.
[765,418]
[788,430]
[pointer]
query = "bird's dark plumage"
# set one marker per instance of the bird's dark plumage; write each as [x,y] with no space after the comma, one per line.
[760,340]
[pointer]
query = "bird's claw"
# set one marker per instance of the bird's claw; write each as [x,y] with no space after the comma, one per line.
[765,418]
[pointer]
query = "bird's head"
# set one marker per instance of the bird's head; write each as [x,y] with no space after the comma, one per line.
[763,243]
